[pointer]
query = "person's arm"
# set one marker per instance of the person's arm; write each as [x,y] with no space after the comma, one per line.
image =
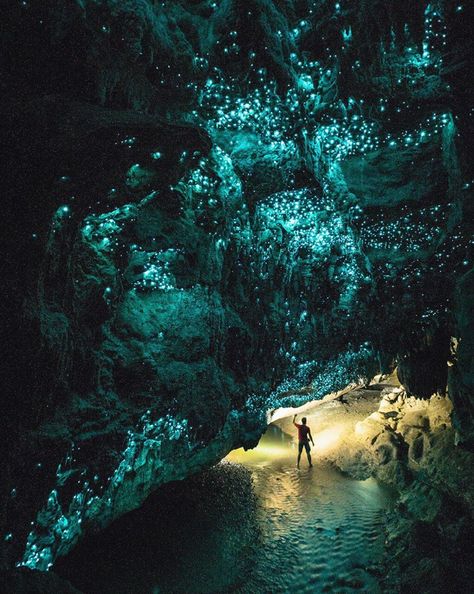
[294,421]
[310,436]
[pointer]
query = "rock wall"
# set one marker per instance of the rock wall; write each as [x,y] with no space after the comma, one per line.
[461,376]
[211,205]
[430,530]
[407,443]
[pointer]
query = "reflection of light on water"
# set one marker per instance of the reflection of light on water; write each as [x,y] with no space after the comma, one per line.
[273,445]
[323,518]
[371,493]
[260,452]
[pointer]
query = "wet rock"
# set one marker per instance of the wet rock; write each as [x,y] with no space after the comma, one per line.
[415,419]
[369,429]
[207,214]
[387,447]
[417,443]
[26,581]
[461,381]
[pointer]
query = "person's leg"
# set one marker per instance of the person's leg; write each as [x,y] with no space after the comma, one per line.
[300,449]
[308,454]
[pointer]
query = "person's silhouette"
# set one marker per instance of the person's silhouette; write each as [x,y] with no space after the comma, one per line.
[304,432]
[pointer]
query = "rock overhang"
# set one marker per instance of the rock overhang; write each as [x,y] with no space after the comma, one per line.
[203,271]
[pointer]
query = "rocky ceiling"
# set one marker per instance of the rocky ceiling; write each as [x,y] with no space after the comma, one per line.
[209,206]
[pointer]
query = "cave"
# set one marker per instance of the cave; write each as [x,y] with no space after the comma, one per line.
[219,215]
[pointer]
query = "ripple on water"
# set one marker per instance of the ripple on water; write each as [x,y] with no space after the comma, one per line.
[265,528]
[328,530]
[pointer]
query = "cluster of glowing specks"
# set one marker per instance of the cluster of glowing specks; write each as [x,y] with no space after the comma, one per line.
[310,231]
[103,231]
[295,210]
[156,273]
[158,443]
[261,111]
[229,190]
[258,122]
[59,526]
[158,436]
[415,231]
[318,378]
[417,68]
[277,123]
[106,235]
[279,130]
[336,140]
[435,38]
[55,528]
[200,182]
[306,126]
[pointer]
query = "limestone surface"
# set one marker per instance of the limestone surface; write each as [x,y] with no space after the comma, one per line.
[216,209]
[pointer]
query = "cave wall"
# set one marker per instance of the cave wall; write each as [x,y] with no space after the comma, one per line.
[406,442]
[210,205]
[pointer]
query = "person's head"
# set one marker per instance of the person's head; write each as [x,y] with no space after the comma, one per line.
[303,420]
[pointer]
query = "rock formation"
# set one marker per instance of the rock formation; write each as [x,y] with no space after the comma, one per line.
[407,443]
[211,205]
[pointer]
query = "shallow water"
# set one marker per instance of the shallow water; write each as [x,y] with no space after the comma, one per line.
[322,531]
[265,528]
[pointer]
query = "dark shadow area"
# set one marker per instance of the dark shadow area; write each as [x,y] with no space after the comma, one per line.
[197,535]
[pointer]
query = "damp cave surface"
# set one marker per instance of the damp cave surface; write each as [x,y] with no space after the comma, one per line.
[253,524]
[217,213]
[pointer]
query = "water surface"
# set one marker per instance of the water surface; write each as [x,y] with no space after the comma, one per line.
[252,525]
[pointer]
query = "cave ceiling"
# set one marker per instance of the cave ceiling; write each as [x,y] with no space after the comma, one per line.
[212,205]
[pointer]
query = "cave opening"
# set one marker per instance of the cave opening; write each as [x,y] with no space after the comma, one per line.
[220,213]
[212,532]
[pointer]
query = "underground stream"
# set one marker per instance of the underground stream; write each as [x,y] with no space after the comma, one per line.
[252,524]
[215,214]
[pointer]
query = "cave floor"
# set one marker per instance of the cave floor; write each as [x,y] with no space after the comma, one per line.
[322,531]
[253,524]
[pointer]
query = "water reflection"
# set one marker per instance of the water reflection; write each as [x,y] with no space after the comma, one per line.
[252,525]
[322,531]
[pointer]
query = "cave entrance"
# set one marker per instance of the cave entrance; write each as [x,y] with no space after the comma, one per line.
[253,523]
[336,422]
[319,525]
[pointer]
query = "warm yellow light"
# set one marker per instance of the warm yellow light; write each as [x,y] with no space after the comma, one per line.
[281,413]
[328,439]
[259,454]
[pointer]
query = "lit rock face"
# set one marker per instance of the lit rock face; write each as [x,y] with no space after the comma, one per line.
[408,443]
[461,379]
[234,204]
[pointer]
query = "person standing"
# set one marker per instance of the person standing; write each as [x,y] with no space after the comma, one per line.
[304,435]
